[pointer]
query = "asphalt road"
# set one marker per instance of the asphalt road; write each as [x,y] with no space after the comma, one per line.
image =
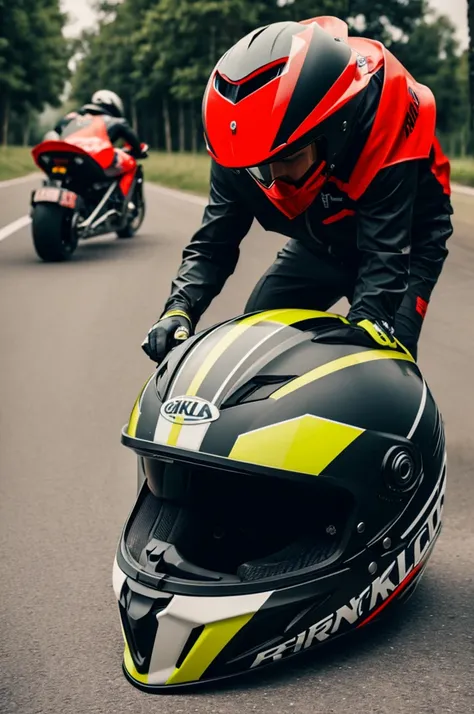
[71,367]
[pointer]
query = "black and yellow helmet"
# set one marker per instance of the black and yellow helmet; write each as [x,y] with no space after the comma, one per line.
[290,490]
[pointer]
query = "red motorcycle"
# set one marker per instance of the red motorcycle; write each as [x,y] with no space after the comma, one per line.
[91,189]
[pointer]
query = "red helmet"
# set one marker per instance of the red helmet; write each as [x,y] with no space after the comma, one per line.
[280,89]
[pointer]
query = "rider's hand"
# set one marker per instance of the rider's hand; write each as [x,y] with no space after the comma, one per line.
[380,332]
[367,333]
[173,328]
[144,148]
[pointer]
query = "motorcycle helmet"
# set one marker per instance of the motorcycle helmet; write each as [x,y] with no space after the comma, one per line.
[105,102]
[284,88]
[290,491]
[51,135]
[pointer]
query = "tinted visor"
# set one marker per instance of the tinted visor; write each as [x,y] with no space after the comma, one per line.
[290,169]
[262,174]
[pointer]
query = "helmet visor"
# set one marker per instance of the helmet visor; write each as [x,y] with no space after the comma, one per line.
[291,169]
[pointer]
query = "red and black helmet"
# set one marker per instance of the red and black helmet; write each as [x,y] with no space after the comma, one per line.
[281,88]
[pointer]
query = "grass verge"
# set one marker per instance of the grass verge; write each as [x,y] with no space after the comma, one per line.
[462,171]
[188,172]
[16,161]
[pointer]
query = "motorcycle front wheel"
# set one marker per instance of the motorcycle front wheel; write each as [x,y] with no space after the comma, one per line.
[135,222]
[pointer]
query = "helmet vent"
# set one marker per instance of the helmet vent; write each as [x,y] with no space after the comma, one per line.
[256,34]
[196,632]
[259,387]
[236,92]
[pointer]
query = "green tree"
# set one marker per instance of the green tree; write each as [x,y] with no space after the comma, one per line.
[431,55]
[174,31]
[384,20]
[297,10]
[470,21]
[108,54]
[158,54]
[33,58]
[464,143]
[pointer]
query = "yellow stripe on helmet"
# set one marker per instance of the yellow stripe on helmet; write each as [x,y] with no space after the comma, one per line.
[130,666]
[282,317]
[135,414]
[307,444]
[175,430]
[335,366]
[210,643]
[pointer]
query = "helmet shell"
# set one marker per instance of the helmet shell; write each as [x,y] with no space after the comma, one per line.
[303,81]
[332,458]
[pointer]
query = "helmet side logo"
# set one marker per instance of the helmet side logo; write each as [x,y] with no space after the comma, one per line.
[189,410]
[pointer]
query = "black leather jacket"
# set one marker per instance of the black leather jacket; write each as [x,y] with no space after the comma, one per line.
[400,224]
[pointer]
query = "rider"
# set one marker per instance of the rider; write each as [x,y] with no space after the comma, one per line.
[328,140]
[109,107]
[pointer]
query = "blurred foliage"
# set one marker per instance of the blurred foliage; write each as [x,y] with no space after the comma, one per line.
[470,70]
[158,54]
[33,61]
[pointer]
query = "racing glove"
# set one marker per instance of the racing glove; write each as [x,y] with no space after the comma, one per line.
[144,149]
[367,333]
[380,332]
[171,329]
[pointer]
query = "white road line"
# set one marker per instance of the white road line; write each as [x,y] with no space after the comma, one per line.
[15,226]
[21,179]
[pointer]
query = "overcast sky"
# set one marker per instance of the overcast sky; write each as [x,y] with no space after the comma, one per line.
[83,16]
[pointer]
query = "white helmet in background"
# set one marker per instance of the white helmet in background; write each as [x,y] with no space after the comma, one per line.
[106,101]
[51,136]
